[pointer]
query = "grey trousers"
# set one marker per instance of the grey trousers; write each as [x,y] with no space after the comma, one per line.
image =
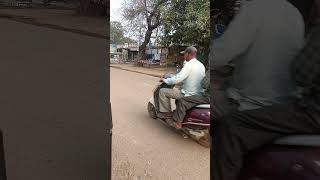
[240,132]
[165,94]
[187,103]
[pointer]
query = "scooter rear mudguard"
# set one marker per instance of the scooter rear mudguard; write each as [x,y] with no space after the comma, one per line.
[279,162]
[197,118]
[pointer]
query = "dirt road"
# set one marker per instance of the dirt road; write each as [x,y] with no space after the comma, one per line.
[146,149]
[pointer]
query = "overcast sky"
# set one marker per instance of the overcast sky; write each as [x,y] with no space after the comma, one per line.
[115,6]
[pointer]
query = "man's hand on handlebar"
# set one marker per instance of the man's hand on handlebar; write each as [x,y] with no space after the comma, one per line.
[161,79]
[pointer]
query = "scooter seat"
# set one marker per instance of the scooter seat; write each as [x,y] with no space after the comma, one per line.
[203,106]
[299,140]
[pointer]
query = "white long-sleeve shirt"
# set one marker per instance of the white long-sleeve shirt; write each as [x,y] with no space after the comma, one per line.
[191,76]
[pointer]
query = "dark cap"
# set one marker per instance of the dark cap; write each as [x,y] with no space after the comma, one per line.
[190,49]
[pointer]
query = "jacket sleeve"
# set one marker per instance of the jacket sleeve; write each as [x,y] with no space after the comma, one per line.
[182,75]
[237,38]
[205,83]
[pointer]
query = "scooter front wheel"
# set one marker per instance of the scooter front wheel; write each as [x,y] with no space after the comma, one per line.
[152,111]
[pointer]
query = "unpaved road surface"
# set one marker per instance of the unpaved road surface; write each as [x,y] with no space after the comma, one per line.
[146,149]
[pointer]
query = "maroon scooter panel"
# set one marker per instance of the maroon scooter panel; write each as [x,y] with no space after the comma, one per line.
[197,118]
[283,163]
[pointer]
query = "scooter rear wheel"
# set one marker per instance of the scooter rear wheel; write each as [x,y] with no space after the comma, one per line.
[203,140]
[152,111]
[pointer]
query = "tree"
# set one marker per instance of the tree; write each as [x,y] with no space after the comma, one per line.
[187,22]
[148,11]
[117,34]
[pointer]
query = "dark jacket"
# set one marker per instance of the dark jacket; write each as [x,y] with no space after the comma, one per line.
[306,72]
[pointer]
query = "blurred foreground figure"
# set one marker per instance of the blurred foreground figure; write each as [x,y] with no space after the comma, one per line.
[246,129]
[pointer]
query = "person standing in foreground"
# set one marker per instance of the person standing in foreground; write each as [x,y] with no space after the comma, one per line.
[261,45]
[190,75]
[261,41]
[243,131]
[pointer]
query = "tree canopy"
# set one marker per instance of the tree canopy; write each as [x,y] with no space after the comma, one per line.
[117,33]
[186,22]
[143,16]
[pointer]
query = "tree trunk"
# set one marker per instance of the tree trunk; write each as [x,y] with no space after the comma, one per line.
[142,48]
[151,26]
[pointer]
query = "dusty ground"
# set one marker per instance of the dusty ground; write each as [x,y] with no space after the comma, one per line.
[144,148]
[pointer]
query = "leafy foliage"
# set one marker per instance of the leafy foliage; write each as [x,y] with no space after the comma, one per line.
[183,22]
[117,33]
[187,22]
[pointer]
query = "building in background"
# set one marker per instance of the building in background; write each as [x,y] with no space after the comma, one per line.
[156,55]
[124,53]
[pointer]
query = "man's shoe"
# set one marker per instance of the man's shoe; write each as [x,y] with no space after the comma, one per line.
[178,125]
[173,123]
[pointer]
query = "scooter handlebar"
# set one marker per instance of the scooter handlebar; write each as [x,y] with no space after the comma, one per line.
[168,75]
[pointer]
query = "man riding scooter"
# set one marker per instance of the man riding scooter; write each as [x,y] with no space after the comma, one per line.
[191,74]
[241,132]
[188,102]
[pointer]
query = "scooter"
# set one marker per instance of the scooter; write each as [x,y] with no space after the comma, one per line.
[196,122]
[288,158]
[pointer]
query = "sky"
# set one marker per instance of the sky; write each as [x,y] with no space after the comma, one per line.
[115,6]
